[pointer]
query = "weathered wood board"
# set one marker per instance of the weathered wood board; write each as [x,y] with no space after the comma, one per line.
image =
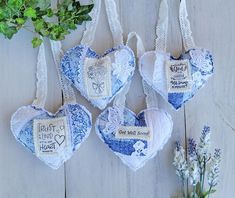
[94,171]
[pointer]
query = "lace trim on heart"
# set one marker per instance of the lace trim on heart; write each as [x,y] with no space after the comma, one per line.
[115,119]
[201,59]
[185,27]
[121,67]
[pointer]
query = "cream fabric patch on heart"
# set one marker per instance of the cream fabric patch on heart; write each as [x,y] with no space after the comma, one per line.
[134,150]
[51,136]
[178,74]
[177,83]
[98,77]
[201,68]
[100,91]
[96,82]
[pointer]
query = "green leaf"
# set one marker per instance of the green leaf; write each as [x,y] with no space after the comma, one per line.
[30,12]
[198,189]
[205,194]
[83,10]
[14,4]
[83,18]
[7,31]
[39,24]
[36,42]
[3,27]
[50,12]
[20,21]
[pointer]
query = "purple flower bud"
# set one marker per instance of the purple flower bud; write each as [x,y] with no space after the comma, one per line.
[205,131]
[191,147]
[177,145]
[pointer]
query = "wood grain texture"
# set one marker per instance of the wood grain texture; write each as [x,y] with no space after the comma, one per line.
[22,174]
[214,105]
[94,171]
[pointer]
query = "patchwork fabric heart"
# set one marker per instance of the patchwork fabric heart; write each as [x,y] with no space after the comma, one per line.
[154,72]
[134,152]
[77,126]
[99,78]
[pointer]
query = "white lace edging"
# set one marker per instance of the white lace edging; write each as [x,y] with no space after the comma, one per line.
[114,23]
[90,27]
[151,96]
[162,27]
[41,74]
[186,32]
[68,93]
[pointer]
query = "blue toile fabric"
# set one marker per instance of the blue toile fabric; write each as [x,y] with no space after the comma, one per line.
[79,126]
[134,152]
[201,66]
[120,59]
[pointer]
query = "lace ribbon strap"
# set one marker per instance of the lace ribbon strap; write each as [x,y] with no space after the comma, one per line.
[41,73]
[162,27]
[120,99]
[186,32]
[68,93]
[151,96]
[90,27]
[139,43]
[114,23]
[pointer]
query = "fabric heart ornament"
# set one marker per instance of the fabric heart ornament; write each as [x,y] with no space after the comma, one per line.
[55,143]
[52,137]
[154,71]
[134,151]
[177,80]
[135,139]
[99,78]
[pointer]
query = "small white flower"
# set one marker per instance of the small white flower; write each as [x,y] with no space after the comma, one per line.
[199,59]
[204,144]
[197,78]
[121,67]
[213,169]
[139,149]
[194,173]
[180,163]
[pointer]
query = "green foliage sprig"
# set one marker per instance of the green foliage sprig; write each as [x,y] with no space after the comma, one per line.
[47,22]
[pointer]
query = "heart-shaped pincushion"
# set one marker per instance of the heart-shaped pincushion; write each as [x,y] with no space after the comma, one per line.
[134,152]
[79,126]
[122,69]
[153,62]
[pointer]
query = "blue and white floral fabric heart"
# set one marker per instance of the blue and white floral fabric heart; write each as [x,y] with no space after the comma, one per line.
[200,64]
[134,151]
[99,78]
[56,146]
[177,80]
[134,138]
[52,137]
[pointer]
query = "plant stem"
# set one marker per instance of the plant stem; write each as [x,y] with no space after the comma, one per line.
[204,171]
[194,191]
[183,186]
[209,192]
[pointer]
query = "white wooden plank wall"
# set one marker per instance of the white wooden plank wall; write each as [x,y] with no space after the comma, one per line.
[94,171]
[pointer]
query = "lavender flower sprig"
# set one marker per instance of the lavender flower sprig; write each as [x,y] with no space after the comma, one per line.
[181,166]
[193,166]
[196,165]
[213,170]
